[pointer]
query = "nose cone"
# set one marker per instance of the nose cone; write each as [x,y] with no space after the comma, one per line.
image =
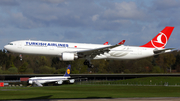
[6,47]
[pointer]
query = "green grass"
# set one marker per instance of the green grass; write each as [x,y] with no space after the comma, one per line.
[87,91]
[141,81]
[154,80]
[97,90]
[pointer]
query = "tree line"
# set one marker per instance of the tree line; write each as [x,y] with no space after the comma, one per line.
[32,64]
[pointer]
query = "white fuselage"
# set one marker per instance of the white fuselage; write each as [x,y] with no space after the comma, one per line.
[57,48]
[43,80]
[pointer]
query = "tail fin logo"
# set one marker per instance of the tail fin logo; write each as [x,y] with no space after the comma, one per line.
[159,41]
[68,71]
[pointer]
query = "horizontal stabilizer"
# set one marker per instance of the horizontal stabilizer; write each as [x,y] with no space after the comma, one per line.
[159,51]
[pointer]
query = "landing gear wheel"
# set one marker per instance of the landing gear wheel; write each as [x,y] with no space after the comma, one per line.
[88,63]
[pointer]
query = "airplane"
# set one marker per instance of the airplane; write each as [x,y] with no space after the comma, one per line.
[67,51]
[52,79]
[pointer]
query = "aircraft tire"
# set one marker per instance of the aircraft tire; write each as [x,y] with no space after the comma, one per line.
[90,65]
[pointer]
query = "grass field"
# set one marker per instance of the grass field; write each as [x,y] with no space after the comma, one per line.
[89,91]
[140,81]
[154,80]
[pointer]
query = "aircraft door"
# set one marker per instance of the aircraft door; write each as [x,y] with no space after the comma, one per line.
[139,51]
[20,45]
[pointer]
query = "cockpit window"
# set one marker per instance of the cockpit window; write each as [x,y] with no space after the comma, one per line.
[10,43]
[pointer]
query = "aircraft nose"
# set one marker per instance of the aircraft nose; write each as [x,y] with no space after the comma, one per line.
[6,47]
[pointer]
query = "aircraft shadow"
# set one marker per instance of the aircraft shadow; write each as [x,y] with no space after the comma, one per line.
[99,97]
[47,98]
[42,97]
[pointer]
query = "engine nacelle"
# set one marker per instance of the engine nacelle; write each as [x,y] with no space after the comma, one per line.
[59,82]
[30,81]
[68,57]
[71,81]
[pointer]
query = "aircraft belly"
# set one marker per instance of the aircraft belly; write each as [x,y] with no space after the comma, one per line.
[126,54]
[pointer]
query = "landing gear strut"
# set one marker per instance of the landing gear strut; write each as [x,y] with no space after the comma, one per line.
[20,55]
[88,63]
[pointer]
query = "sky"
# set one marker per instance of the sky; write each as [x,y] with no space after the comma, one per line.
[89,21]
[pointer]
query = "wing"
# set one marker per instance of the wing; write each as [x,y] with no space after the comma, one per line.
[38,83]
[93,52]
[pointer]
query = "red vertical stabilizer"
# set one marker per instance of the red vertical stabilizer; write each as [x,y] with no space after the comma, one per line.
[160,40]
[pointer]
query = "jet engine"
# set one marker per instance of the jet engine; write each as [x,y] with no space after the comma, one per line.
[68,57]
[30,81]
[71,81]
[59,82]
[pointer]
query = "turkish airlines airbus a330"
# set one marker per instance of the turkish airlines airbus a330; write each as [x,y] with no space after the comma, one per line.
[70,51]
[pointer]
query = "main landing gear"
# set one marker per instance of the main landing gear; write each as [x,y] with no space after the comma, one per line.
[88,63]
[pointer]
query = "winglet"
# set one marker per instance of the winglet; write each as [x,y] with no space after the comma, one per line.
[68,71]
[122,42]
[106,43]
[160,40]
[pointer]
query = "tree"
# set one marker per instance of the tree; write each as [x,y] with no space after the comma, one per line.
[100,66]
[44,61]
[77,67]
[61,71]
[157,69]
[1,71]
[29,71]
[46,70]
[169,60]
[177,63]
[13,70]
[165,61]
[23,68]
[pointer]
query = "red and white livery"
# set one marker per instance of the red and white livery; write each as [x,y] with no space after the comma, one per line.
[70,51]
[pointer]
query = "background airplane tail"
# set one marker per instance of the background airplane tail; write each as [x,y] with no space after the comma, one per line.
[160,40]
[68,71]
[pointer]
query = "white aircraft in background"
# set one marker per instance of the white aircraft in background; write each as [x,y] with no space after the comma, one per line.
[70,51]
[56,79]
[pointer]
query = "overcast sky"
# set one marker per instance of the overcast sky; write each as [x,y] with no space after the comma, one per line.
[89,21]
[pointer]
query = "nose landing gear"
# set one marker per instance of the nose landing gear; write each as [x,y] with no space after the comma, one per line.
[20,55]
